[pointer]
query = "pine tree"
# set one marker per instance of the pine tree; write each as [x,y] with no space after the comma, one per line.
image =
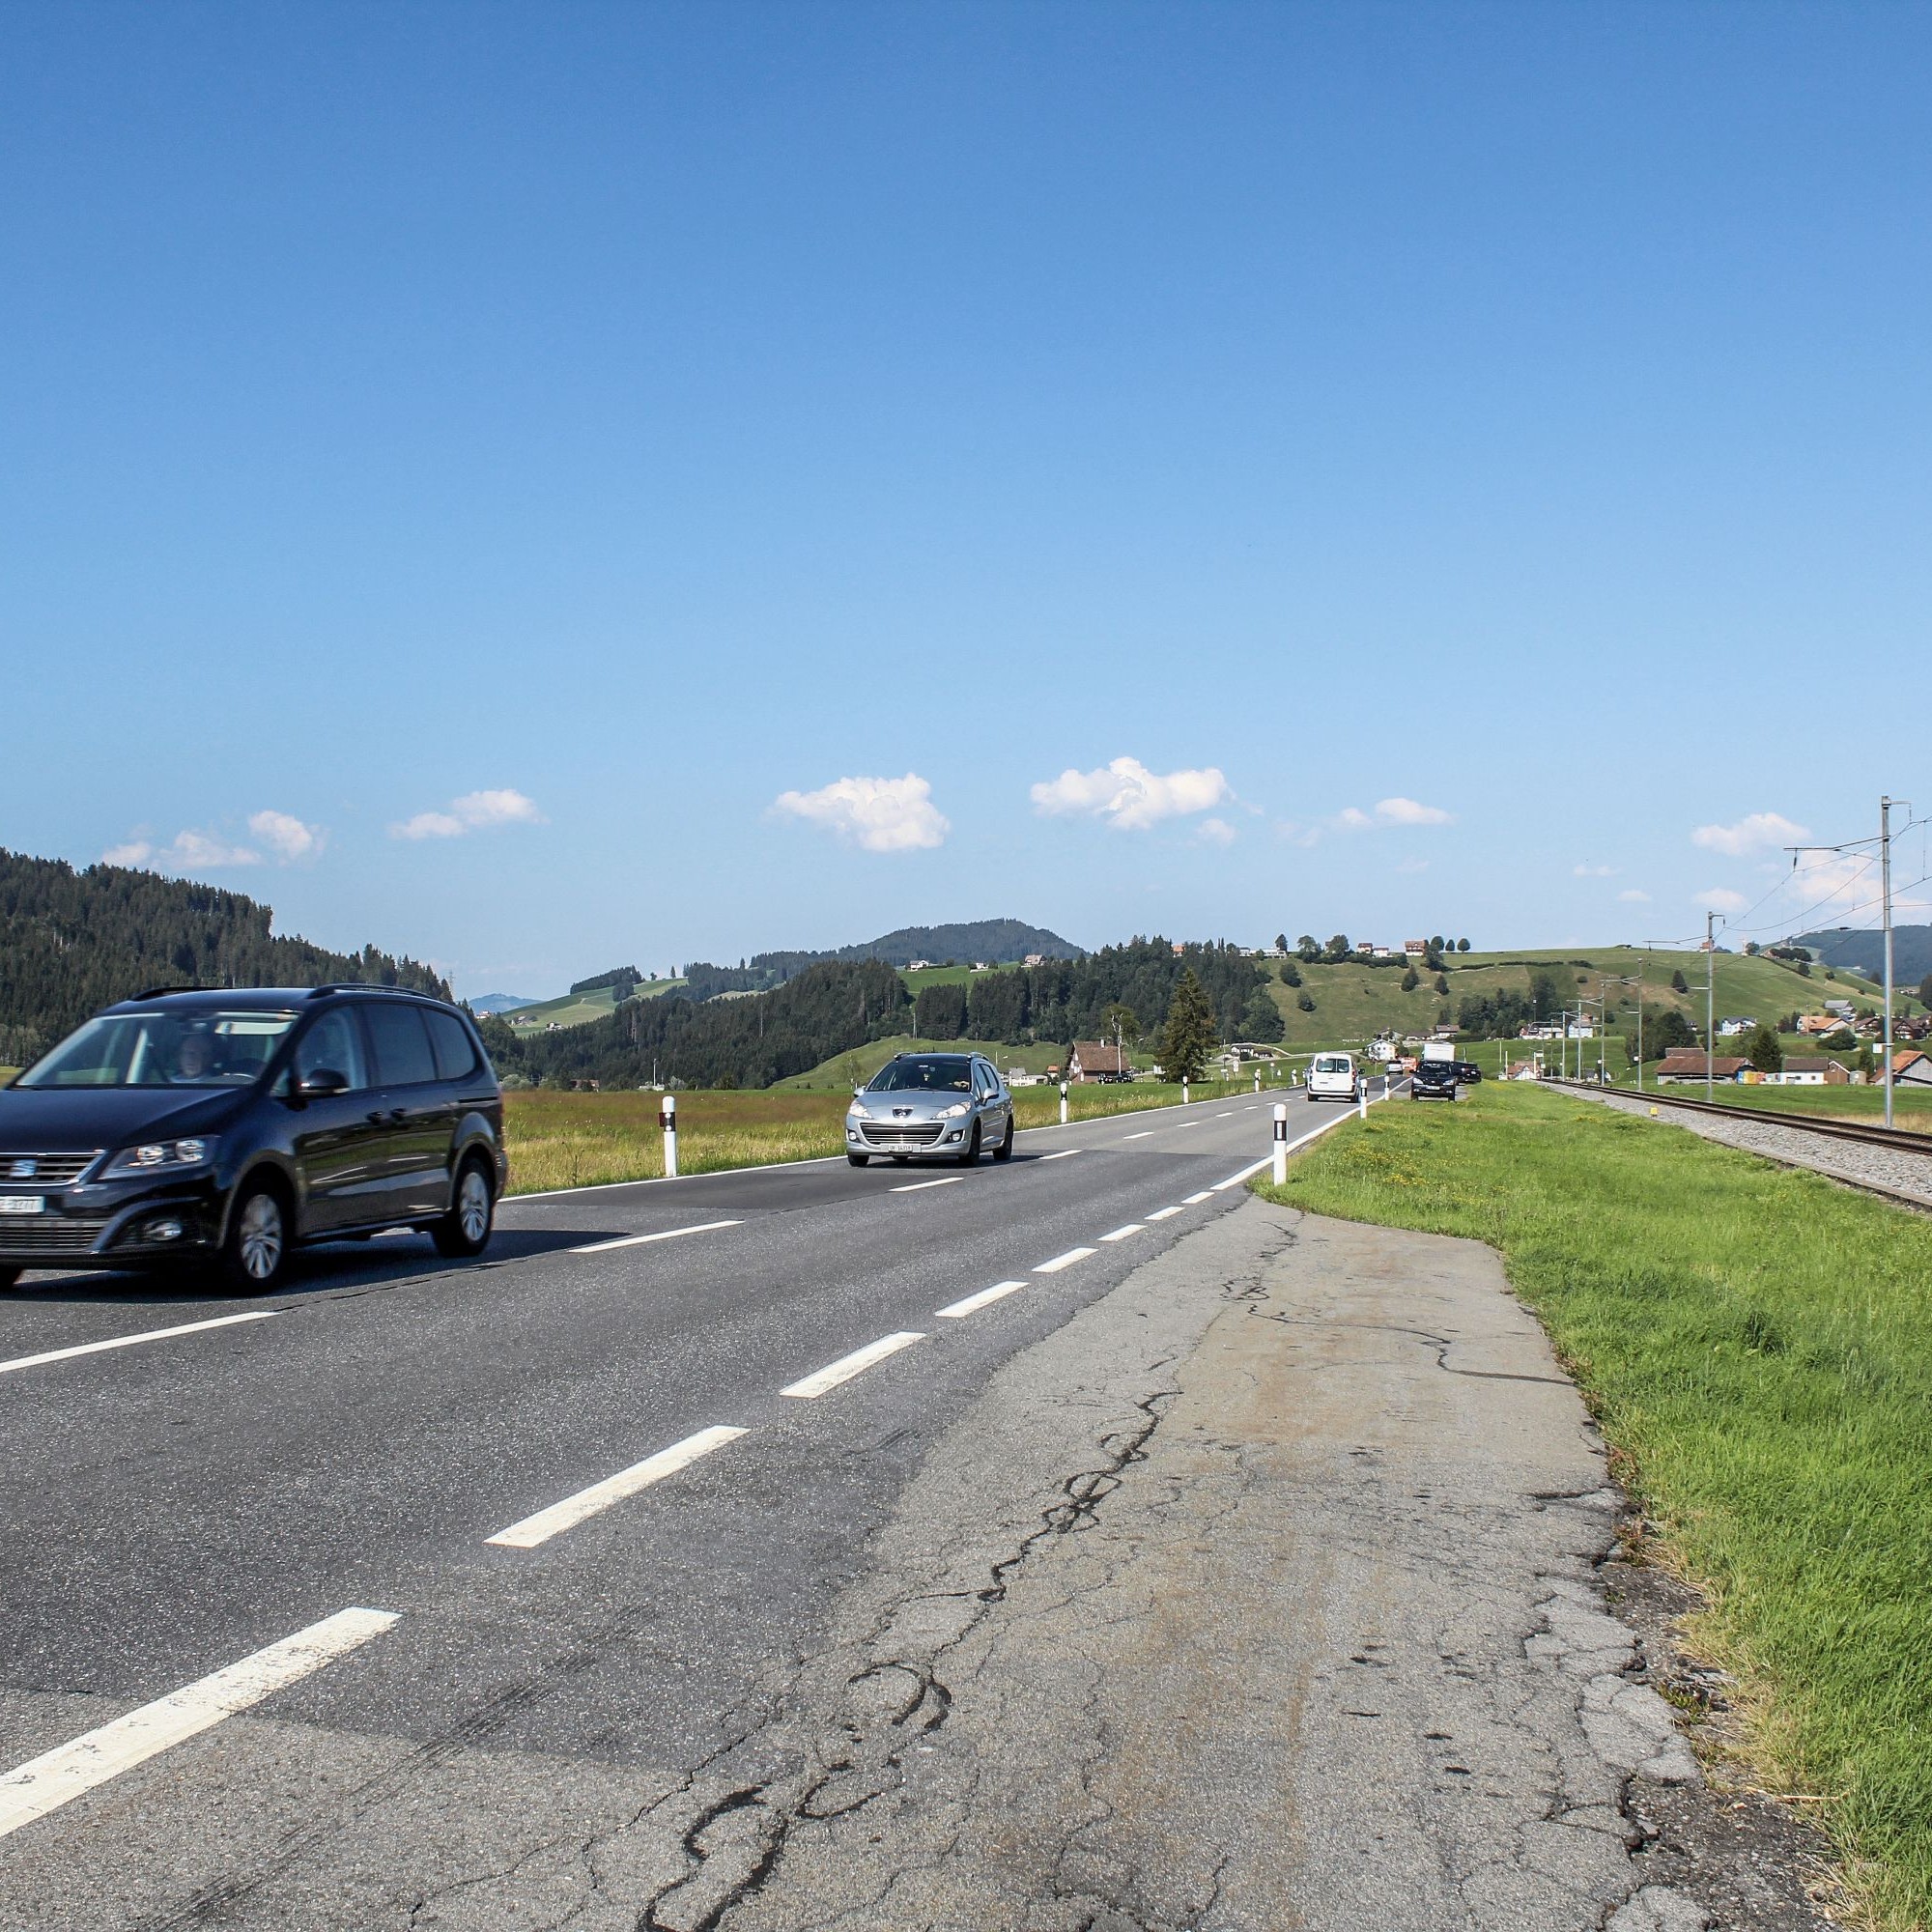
[1189,1035]
[1765,1050]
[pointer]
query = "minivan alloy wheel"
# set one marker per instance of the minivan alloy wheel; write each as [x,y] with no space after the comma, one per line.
[260,1238]
[472,1206]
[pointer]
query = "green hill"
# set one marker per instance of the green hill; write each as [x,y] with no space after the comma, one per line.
[1355,1002]
[1863,950]
[578,1008]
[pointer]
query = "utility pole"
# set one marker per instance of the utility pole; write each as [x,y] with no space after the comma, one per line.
[1710,997]
[1885,891]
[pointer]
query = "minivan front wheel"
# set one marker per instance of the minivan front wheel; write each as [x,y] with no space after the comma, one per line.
[256,1251]
[464,1233]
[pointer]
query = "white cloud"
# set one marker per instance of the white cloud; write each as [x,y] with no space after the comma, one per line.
[473,811]
[1756,831]
[1129,797]
[1351,818]
[1720,898]
[875,815]
[1632,897]
[187,851]
[1215,831]
[1406,811]
[287,837]
[136,852]
[1587,871]
[1413,866]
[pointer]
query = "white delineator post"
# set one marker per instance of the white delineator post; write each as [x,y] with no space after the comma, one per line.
[1258,1080]
[1184,1089]
[1062,1103]
[1362,1099]
[668,1120]
[1280,1144]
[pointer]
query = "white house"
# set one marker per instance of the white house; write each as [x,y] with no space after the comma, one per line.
[1729,1029]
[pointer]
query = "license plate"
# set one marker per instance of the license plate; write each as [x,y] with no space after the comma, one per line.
[23,1203]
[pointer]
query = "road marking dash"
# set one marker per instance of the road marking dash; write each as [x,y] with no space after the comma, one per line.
[1190,1123]
[913,1186]
[957,1310]
[1144,1134]
[572,1510]
[848,1366]
[58,1776]
[128,1340]
[1228,1116]
[1065,1261]
[1060,1155]
[1166,1213]
[1195,1200]
[662,1234]
[1122,1234]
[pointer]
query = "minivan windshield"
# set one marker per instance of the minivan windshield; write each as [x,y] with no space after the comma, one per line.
[1331,1063]
[199,1048]
[931,1073]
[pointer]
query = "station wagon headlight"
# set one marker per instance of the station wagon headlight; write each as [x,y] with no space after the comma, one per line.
[161,1158]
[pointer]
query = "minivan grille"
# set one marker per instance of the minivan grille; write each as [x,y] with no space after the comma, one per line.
[46,1170]
[47,1235]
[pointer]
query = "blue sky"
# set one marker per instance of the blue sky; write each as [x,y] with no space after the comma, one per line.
[549,488]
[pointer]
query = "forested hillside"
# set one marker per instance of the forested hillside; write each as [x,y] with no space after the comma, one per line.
[833,1005]
[1863,950]
[74,942]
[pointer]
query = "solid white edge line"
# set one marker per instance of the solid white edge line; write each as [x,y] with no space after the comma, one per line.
[1166,1213]
[1065,1261]
[1122,1234]
[847,1366]
[128,1340]
[1062,1154]
[956,1311]
[1235,1180]
[1195,1200]
[57,1776]
[913,1186]
[572,1510]
[662,1234]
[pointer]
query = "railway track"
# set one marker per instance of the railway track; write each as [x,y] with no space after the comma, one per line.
[1902,1139]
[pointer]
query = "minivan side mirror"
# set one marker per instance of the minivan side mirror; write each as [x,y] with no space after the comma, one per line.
[320,1084]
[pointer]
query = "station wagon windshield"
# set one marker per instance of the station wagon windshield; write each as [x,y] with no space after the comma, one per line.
[204,1048]
[940,1073]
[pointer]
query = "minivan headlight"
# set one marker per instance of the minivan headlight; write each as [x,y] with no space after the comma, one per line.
[162,1157]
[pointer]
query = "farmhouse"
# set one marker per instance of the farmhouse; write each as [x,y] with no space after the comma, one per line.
[1809,1070]
[1912,1069]
[1416,949]
[1683,1065]
[1729,1029]
[1097,1060]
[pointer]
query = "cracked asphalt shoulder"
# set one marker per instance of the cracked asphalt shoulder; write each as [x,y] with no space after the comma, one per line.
[1265,1594]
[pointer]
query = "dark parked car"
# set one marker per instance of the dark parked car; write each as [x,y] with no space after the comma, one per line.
[226,1128]
[1433,1080]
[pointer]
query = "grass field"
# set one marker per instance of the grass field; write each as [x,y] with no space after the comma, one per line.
[1757,1345]
[1353,1003]
[578,1008]
[581,1140]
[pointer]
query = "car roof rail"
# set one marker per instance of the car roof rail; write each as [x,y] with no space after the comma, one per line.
[372,986]
[155,992]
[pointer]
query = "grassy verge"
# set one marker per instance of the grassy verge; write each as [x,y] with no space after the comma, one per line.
[1912,1106]
[581,1140]
[1758,1347]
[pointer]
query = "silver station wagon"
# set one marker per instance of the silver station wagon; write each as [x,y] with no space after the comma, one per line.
[946,1106]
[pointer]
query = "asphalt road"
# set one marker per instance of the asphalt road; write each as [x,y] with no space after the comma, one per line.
[182,1506]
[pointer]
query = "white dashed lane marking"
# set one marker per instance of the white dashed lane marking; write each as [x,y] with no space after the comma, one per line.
[572,1510]
[913,1186]
[1166,1213]
[128,1340]
[1065,1153]
[1195,1200]
[662,1234]
[958,1310]
[1144,1134]
[854,1364]
[56,1777]
[1122,1234]
[1065,1261]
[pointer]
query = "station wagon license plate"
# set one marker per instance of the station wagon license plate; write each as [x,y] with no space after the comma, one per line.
[23,1203]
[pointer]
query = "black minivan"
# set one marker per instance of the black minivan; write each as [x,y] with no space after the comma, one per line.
[223,1129]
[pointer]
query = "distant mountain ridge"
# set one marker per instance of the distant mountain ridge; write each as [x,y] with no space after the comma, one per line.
[1863,950]
[997,942]
[499,1003]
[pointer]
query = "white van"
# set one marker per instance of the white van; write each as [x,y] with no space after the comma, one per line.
[1332,1076]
